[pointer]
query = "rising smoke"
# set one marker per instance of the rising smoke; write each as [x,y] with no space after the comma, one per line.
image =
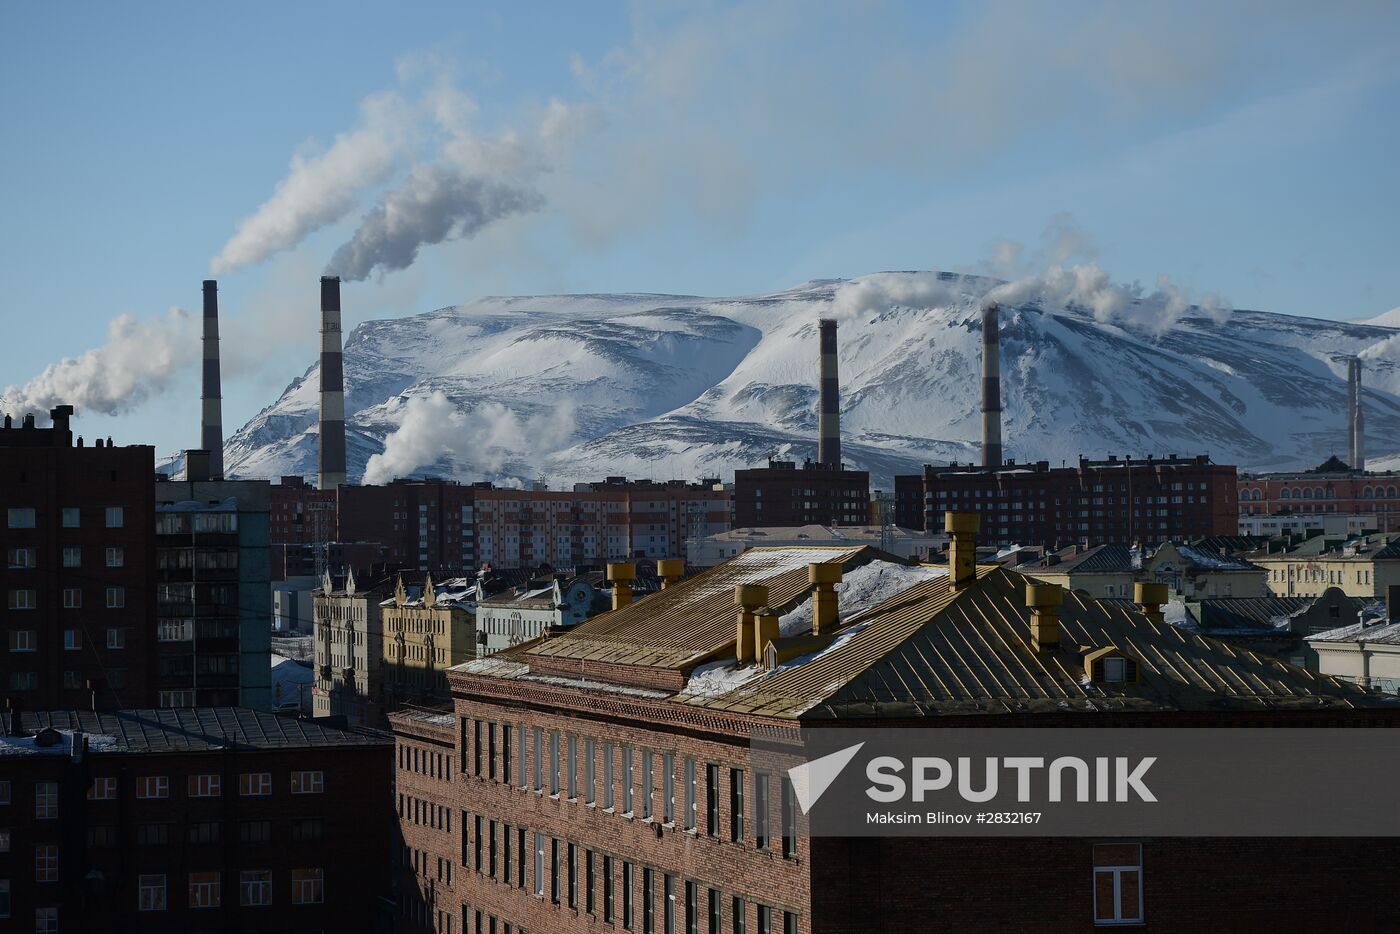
[140,358]
[434,203]
[488,437]
[877,293]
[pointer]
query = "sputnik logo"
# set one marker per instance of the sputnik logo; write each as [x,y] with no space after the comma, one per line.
[811,779]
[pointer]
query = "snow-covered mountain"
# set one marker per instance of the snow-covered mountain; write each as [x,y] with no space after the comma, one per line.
[581,386]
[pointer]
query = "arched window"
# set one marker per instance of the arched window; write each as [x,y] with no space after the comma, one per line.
[1331,493]
[1366,493]
[1258,495]
[1318,493]
[1390,491]
[1307,494]
[1285,493]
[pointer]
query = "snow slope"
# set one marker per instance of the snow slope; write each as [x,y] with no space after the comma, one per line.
[578,387]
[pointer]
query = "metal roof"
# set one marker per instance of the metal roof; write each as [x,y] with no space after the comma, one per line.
[199,729]
[933,651]
[694,619]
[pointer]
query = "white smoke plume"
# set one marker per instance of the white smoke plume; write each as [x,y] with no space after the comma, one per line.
[876,293]
[435,203]
[140,358]
[432,428]
[320,189]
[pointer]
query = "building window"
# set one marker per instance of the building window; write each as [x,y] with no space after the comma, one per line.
[116,556]
[5,791]
[712,799]
[692,908]
[4,898]
[648,919]
[305,829]
[590,771]
[627,882]
[204,832]
[22,600]
[115,517]
[739,915]
[46,800]
[308,886]
[554,870]
[255,887]
[789,922]
[765,920]
[627,779]
[204,890]
[736,805]
[255,784]
[21,557]
[72,640]
[308,782]
[255,831]
[175,630]
[668,788]
[1117,883]
[23,640]
[539,760]
[152,834]
[153,786]
[789,818]
[150,893]
[46,862]
[690,794]
[72,557]
[204,786]
[760,809]
[539,863]
[554,762]
[647,782]
[45,921]
[116,598]
[608,775]
[116,638]
[21,517]
[607,890]
[573,768]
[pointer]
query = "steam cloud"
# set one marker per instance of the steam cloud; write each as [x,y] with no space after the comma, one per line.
[876,293]
[318,190]
[435,203]
[139,359]
[488,436]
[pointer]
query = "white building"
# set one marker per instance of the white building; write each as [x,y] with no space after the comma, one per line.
[519,614]
[1366,653]
[906,543]
[1329,523]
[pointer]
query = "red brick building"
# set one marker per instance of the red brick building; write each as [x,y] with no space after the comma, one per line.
[210,819]
[1323,492]
[302,514]
[784,494]
[1118,502]
[600,779]
[78,576]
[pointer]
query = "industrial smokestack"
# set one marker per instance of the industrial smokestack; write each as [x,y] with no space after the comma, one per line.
[211,417]
[829,415]
[1355,420]
[991,387]
[331,464]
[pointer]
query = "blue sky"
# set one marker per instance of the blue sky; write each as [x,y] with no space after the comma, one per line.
[1243,149]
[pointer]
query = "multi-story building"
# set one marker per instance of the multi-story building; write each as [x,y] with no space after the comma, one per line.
[78,575]
[1301,523]
[594,523]
[1330,490]
[602,779]
[784,494]
[514,615]
[301,514]
[349,649]
[1362,566]
[213,591]
[214,819]
[428,628]
[1113,501]
[423,524]
[906,543]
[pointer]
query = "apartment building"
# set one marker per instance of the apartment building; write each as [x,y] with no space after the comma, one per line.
[213,591]
[428,628]
[170,821]
[784,494]
[1118,502]
[77,522]
[600,779]
[423,524]
[349,649]
[1362,566]
[1328,491]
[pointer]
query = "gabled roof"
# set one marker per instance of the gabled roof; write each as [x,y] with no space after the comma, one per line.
[1250,612]
[1100,559]
[932,651]
[694,620]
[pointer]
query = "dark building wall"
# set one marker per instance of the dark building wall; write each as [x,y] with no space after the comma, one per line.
[424,524]
[106,837]
[42,470]
[784,494]
[301,514]
[1102,502]
[1304,494]
[909,502]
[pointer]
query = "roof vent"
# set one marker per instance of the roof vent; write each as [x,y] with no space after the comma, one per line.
[1111,665]
[1044,601]
[749,598]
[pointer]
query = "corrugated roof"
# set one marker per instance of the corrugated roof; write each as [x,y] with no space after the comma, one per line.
[1250,612]
[200,729]
[931,651]
[1385,634]
[685,624]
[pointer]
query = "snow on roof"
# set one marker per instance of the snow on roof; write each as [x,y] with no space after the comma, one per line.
[1385,634]
[866,586]
[26,746]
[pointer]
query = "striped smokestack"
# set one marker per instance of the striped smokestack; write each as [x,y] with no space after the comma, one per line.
[211,416]
[829,415]
[991,387]
[331,464]
[1356,422]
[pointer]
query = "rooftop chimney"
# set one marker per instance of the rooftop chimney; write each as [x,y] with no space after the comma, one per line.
[199,466]
[825,608]
[1044,601]
[750,598]
[211,418]
[991,387]
[331,464]
[59,415]
[1151,598]
[829,415]
[962,548]
[621,574]
[1356,422]
[670,571]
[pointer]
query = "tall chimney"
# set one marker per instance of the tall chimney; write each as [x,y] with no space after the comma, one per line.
[1351,410]
[211,416]
[991,387]
[1356,420]
[331,464]
[829,416]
